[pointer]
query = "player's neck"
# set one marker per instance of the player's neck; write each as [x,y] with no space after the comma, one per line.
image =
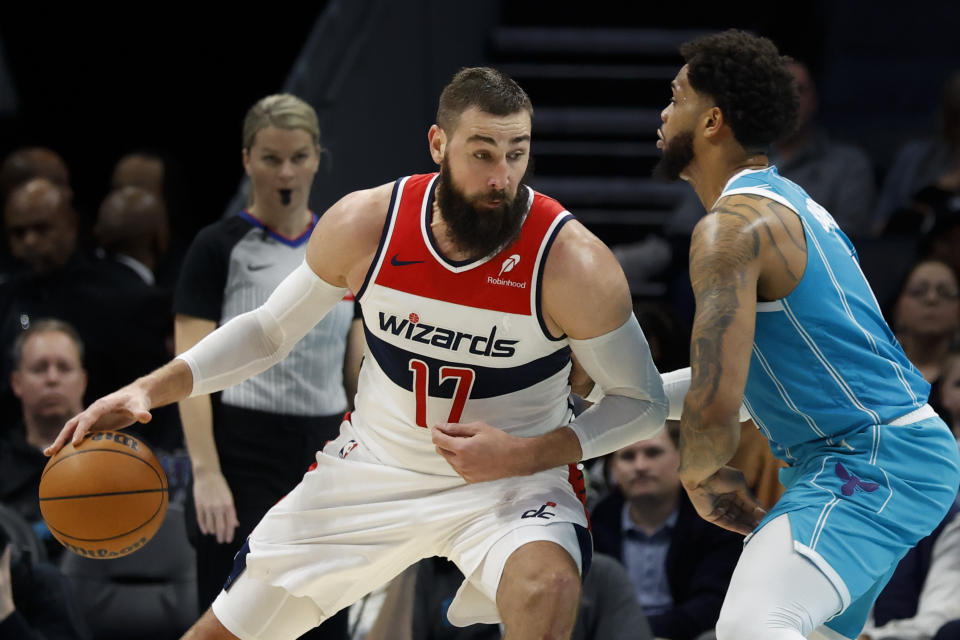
[708,176]
[288,222]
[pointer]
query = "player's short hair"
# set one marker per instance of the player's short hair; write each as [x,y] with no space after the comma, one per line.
[750,82]
[45,325]
[488,89]
[281,110]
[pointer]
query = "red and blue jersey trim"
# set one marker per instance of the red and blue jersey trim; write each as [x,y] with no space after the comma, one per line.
[407,259]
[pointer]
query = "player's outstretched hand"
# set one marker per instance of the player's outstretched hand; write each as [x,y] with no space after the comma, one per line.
[478,451]
[725,500]
[115,411]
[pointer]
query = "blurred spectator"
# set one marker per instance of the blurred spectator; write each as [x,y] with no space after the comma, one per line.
[925,174]
[644,263]
[41,225]
[760,467]
[950,391]
[943,240]
[132,231]
[839,176]
[921,596]
[158,174]
[25,164]
[21,166]
[133,234]
[679,564]
[142,170]
[35,600]
[49,380]
[59,282]
[926,319]
[666,333]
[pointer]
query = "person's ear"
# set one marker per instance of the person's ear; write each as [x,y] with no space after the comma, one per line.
[437,140]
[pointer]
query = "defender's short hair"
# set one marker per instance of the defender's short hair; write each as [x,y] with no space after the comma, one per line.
[750,82]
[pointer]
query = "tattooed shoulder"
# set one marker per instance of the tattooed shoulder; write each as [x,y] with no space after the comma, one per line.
[744,226]
[727,238]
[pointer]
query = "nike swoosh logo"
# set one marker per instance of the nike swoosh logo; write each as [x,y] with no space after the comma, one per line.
[402,263]
[257,267]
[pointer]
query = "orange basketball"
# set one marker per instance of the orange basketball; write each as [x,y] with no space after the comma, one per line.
[106,497]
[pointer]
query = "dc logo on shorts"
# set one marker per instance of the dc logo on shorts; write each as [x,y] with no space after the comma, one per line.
[852,482]
[541,512]
[347,448]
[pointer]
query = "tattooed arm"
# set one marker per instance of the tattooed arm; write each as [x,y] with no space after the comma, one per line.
[725,254]
[724,270]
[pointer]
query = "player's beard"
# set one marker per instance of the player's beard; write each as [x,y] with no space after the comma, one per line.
[480,231]
[677,155]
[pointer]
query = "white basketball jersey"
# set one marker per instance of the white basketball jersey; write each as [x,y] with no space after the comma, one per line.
[454,341]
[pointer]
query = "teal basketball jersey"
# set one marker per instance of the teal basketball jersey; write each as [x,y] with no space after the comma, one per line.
[824,362]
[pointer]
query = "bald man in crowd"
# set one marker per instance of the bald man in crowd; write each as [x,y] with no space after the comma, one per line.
[133,232]
[122,325]
[41,226]
[33,162]
[141,169]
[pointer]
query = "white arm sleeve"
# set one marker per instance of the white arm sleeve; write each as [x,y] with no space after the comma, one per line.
[256,340]
[634,406]
[676,384]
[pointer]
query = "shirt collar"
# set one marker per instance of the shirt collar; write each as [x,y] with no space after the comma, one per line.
[138,267]
[627,524]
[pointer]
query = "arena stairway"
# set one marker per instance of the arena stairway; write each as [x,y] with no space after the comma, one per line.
[597,93]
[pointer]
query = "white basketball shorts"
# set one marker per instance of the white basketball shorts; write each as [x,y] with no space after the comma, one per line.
[352,524]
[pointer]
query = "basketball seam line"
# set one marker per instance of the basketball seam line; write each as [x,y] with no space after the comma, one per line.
[110,493]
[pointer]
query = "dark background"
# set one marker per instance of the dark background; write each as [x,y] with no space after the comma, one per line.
[93,87]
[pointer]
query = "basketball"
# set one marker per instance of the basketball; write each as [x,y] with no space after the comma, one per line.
[106,497]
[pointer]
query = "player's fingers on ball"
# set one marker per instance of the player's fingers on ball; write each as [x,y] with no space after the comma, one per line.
[79,431]
[57,443]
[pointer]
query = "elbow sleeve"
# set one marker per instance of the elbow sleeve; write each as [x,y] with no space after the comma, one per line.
[634,405]
[254,341]
[676,384]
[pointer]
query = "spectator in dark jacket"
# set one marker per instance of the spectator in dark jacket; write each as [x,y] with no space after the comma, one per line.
[679,563]
[920,600]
